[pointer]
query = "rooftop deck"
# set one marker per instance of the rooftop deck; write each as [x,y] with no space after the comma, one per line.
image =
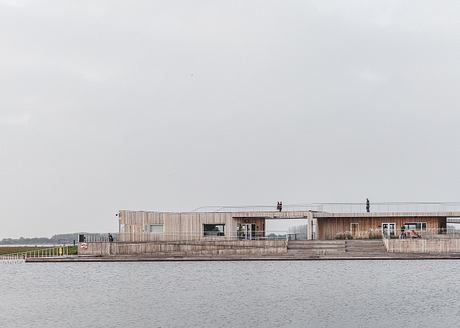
[324,210]
[388,215]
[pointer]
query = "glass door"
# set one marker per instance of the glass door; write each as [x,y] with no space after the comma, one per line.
[246,231]
[389,229]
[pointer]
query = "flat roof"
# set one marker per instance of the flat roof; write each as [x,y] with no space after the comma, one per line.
[314,214]
[386,214]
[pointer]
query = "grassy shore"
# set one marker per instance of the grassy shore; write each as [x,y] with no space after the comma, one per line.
[22,249]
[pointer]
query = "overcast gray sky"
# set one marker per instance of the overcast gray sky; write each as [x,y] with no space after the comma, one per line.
[172,105]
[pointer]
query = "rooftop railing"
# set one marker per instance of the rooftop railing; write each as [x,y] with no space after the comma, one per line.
[376,207]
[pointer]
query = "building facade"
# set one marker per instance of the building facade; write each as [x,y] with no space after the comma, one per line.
[146,225]
[251,225]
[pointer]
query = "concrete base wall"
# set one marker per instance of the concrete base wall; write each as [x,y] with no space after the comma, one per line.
[429,246]
[186,248]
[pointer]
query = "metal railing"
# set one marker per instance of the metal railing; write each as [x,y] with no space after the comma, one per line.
[199,236]
[380,207]
[429,233]
[430,241]
[92,238]
[379,233]
[58,251]
[376,233]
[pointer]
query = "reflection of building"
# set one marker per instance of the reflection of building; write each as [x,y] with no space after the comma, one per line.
[149,226]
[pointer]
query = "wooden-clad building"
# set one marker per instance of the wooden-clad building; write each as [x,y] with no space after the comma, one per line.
[145,225]
[251,225]
[372,225]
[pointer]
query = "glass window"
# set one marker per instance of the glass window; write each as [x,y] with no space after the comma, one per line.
[156,228]
[214,230]
[417,226]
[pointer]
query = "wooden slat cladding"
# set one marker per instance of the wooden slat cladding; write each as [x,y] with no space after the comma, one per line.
[190,224]
[141,217]
[428,246]
[329,228]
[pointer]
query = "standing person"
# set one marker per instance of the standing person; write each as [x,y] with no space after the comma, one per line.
[110,238]
[403,233]
[368,205]
[279,206]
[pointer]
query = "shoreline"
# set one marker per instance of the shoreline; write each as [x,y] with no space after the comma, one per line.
[88,259]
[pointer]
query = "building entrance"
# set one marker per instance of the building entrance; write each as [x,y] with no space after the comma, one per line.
[354,229]
[246,231]
[389,229]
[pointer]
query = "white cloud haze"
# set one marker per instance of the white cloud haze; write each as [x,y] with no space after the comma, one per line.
[171,105]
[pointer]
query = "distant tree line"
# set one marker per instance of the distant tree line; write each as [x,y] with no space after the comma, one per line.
[68,238]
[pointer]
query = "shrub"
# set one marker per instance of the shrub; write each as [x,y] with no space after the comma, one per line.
[344,235]
[375,234]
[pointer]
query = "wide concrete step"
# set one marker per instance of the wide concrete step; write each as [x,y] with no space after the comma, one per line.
[319,242]
[318,251]
[353,248]
[315,244]
[364,247]
[316,247]
[337,242]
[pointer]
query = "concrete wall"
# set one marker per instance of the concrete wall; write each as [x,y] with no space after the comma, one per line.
[431,246]
[186,248]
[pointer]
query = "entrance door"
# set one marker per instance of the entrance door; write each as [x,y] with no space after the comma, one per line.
[389,229]
[354,229]
[246,231]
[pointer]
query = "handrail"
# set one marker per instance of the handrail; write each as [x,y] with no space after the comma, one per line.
[57,251]
[192,235]
[340,207]
[373,233]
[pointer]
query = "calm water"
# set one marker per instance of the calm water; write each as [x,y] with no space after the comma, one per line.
[231,294]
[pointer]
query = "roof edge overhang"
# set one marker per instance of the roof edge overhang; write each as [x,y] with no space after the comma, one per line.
[325,215]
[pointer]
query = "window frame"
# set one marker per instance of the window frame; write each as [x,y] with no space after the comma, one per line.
[208,233]
[148,228]
[423,226]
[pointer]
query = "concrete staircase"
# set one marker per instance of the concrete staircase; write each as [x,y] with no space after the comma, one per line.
[365,247]
[337,248]
[316,248]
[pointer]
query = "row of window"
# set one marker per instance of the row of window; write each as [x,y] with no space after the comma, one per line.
[219,229]
[418,226]
[208,229]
